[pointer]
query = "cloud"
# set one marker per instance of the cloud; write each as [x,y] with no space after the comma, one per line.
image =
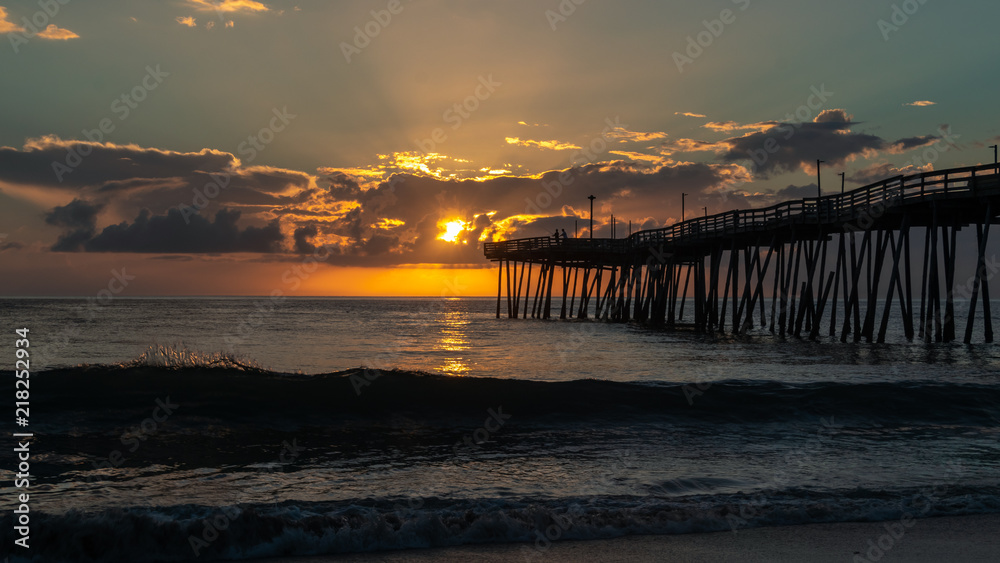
[126,198]
[52,32]
[57,34]
[187,21]
[79,219]
[730,126]
[302,238]
[8,26]
[909,143]
[788,147]
[228,6]
[172,234]
[625,136]
[551,145]
[883,170]
[921,103]
[689,114]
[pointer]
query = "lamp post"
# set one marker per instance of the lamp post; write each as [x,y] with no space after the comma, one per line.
[683,195]
[819,190]
[841,183]
[995,170]
[591,198]
[706,211]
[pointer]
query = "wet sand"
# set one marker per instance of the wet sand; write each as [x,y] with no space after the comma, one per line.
[957,538]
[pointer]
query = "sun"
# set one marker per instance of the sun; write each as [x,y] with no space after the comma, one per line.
[451,229]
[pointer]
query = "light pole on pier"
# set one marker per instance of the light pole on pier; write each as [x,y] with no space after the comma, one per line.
[683,195]
[591,198]
[841,183]
[819,190]
[995,170]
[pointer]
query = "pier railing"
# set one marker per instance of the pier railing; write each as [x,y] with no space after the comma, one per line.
[838,208]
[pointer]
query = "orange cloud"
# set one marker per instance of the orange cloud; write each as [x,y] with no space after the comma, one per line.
[921,103]
[730,126]
[551,145]
[689,114]
[57,33]
[51,32]
[7,26]
[187,20]
[228,6]
[625,136]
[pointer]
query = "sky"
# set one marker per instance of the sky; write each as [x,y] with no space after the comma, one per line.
[237,147]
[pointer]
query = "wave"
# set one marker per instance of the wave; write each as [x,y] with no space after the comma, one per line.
[224,390]
[181,533]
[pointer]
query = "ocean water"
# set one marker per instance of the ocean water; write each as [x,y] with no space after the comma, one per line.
[234,428]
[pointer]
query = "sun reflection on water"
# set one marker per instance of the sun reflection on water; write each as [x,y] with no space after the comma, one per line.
[454,340]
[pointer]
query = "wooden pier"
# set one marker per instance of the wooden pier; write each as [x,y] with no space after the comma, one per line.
[824,262]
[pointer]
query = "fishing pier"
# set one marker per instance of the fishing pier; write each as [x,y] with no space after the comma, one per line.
[832,265]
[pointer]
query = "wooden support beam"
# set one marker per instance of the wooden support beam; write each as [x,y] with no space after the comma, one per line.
[527,290]
[869,328]
[897,248]
[499,286]
[547,306]
[924,279]
[949,282]
[510,302]
[760,282]
[980,278]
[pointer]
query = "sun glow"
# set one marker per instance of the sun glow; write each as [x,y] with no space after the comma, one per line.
[451,229]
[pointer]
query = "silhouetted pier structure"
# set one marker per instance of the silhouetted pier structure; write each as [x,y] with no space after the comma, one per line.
[824,262]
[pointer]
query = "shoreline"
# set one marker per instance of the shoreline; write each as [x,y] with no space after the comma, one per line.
[958,538]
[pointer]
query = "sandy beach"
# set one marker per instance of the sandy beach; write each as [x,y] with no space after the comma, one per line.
[957,538]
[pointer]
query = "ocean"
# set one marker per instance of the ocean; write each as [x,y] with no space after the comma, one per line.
[180,429]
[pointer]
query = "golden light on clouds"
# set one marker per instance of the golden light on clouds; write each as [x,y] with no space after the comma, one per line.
[551,145]
[228,6]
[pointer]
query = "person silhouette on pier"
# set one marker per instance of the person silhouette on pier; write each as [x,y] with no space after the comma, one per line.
[564,235]
[556,235]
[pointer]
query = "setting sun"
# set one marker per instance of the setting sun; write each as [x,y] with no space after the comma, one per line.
[451,230]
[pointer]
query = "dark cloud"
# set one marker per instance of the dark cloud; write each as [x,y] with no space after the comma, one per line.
[909,143]
[301,238]
[128,178]
[788,147]
[171,233]
[79,218]
[790,192]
